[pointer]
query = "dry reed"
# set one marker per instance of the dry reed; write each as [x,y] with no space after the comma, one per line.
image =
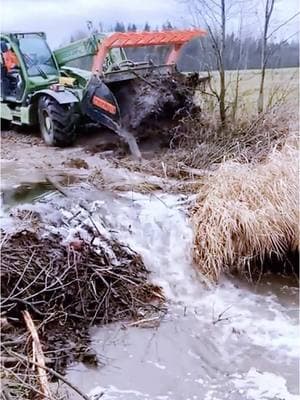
[246,213]
[197,142]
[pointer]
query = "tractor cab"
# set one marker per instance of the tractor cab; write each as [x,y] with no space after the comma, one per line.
[27,65]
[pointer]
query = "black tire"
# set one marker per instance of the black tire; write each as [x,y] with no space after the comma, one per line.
[5,124]
[57,122]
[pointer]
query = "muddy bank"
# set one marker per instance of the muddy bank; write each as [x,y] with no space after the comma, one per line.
[192,149]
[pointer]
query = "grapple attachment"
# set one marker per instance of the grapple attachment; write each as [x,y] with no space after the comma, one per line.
[100,105]
[136,98]
[174,39]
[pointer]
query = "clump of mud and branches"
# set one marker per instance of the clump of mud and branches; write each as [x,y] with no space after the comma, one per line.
[61,289]
[154,104]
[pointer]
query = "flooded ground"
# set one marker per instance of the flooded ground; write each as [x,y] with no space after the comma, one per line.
[233,341]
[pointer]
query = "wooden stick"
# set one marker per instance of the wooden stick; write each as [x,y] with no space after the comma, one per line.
[51,371]
[39,355]
[196,171]
[12,361]
[56,186]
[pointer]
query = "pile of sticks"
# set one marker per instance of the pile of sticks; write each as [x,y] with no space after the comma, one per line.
[63,290]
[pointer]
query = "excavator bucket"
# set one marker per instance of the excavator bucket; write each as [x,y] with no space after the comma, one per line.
[151,98]
[131,97]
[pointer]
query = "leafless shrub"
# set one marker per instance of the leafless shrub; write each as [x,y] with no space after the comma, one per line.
[249,139]
[198,143]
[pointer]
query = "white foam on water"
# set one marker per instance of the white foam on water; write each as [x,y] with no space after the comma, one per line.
[113,393]
[263,320]
[158,230]
[257,385]
[220,331]
[157,227]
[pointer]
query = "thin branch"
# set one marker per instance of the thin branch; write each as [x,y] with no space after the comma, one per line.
[51,371]
[42,376]
[283,24]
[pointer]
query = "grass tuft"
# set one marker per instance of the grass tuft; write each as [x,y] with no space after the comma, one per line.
[247,212]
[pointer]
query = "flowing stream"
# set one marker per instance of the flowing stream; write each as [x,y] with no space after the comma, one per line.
[232,341]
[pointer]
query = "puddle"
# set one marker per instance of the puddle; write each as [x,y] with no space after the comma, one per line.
[24,193]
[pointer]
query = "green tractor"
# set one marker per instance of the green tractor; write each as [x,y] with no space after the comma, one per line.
[28,94]
[91,81]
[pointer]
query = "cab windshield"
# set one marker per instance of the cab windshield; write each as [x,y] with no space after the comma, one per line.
[37,56]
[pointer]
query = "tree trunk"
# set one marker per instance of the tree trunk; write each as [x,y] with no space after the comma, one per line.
[268,12]
[222,105]
[260,101]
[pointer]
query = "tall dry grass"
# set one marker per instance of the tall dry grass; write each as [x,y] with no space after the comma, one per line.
[200,143]
[247,212]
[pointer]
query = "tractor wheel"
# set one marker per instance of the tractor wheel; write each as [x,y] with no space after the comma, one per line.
[57,122]
[4,124]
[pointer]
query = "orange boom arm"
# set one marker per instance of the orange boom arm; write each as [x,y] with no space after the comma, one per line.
[133,39]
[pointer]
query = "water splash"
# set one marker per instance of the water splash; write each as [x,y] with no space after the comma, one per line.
[129,138]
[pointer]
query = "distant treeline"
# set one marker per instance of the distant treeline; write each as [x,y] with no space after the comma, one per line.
[198,55]
[239,54]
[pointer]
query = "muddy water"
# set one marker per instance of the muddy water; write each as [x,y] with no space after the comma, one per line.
[230,342]
[129,138]
[233,341]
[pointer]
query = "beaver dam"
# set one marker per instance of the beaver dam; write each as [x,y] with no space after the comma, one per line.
[173,278]
[66,285]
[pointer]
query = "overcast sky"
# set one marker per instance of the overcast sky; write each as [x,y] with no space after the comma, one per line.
[59,18]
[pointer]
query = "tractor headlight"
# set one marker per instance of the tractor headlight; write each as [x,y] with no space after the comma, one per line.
[56,87]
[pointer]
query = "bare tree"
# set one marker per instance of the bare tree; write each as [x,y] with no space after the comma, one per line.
[269,7]
[221,65]
[265,53]
[213,13]
[241,54]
